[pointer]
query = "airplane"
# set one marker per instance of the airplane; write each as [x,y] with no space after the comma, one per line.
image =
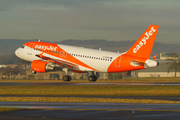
[46,57]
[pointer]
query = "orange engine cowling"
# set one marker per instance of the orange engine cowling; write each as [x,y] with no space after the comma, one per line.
[41,66]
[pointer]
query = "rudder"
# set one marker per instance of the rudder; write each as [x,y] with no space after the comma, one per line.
[143,46]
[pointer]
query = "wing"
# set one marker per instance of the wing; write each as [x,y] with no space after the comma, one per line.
[58,61]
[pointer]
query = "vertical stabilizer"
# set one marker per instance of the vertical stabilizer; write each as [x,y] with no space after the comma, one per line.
[143,46]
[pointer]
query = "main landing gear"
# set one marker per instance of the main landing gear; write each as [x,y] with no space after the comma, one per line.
[93,77]
[66,77]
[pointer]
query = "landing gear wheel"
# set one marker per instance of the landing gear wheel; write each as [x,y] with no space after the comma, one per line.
[33,72]
[92,78]
[67,78]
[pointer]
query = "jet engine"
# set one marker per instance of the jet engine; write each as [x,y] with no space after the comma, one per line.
[41,66]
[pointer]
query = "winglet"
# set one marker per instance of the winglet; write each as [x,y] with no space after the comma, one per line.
[143,46]
[155,57]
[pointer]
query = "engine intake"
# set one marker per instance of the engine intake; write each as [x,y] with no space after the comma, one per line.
[41,66]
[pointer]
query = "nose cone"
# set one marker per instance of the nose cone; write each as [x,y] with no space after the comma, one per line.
[22,54]
[17,52]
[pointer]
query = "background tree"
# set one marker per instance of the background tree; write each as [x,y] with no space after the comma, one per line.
[13,71]
[175,64]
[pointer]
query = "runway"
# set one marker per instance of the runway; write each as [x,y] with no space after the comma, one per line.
[89,111]
[81,111]
[90,83]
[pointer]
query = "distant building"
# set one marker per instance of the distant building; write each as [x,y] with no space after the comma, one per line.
[159,71]
[3,66]
[12,65]
[166,55]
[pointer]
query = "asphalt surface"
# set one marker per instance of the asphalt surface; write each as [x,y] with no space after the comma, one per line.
[89,111]
[40,114]
[92,106]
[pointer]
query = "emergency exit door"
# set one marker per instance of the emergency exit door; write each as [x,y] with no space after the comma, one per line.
[118,62]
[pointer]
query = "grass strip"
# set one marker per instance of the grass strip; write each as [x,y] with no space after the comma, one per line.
[92,90]
[153,79]
[84,100]
[4,109]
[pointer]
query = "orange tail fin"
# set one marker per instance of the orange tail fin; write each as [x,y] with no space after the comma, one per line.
[143,46]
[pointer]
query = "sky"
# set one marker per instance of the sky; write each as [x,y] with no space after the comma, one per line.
[118,20]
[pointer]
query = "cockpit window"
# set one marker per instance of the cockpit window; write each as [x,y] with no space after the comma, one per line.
[22,46]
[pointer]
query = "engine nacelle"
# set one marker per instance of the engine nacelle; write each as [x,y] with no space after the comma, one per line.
[41,66]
